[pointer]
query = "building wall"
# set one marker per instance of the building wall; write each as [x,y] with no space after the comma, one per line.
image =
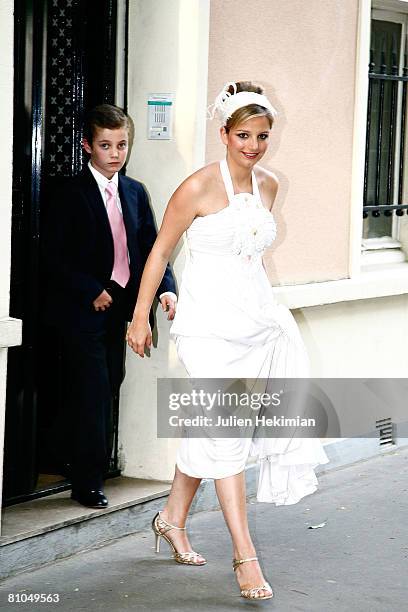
[307,59]
[311,60]
[6,148]
[357,339]
[168,51]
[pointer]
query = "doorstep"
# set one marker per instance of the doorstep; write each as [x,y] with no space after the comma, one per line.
[43,530]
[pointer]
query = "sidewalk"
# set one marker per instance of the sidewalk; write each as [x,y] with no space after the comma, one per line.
[358,561]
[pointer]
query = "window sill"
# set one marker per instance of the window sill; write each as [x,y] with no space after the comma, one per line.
[372,282]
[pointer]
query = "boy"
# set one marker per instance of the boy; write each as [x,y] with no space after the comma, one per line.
[97,238]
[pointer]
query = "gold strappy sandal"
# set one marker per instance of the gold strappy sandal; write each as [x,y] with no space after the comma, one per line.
[161,528]
[255,592]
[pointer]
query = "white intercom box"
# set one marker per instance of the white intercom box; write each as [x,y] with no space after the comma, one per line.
[159,116]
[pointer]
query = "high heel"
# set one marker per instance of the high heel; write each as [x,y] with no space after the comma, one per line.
[161,528]
[254,592]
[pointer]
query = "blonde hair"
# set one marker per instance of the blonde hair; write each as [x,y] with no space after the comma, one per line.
[251,110]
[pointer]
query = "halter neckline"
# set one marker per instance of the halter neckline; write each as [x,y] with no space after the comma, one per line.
[229,186]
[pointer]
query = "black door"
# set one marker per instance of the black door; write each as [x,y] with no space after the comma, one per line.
[65,63]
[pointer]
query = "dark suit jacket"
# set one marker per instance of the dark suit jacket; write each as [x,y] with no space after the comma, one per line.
[77,248]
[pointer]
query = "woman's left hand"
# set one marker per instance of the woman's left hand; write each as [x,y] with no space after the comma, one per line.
[139,336]
[169,304]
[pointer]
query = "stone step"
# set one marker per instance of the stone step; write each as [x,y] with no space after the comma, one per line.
[49,528]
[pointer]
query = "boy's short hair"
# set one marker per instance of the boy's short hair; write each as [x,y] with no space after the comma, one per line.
[106,116]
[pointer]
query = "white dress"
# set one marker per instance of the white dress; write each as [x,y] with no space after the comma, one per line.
[229,325]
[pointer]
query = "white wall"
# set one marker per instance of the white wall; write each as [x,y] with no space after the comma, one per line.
[6,145]
[357,339]
[168,53]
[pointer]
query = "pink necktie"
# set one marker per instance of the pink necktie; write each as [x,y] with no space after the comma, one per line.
[120,272]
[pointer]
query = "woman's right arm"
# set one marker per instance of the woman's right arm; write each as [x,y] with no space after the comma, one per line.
[180,213]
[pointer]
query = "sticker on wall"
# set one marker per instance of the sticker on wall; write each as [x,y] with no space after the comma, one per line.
[159,116]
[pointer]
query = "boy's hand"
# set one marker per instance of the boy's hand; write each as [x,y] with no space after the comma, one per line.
[169,304]
[103,301]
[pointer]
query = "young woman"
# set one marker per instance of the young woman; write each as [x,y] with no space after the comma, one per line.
[229,325]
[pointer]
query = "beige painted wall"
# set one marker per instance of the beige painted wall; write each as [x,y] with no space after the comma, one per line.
[357,339]
[304,55]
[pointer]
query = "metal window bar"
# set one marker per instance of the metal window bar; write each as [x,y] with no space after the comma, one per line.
[378,81]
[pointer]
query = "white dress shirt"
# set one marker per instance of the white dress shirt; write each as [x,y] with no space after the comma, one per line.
[102,182]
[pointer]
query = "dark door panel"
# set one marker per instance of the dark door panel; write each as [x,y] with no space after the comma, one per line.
[65,58]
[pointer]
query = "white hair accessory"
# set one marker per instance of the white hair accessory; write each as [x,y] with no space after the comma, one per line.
[226,103]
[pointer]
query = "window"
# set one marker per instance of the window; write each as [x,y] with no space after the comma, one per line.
[385,203]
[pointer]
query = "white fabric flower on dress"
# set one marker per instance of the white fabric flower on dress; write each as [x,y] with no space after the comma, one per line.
[255,227]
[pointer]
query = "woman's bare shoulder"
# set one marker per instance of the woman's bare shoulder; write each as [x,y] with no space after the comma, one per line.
[268,183]
[202,177]
[198,183]
[268,178]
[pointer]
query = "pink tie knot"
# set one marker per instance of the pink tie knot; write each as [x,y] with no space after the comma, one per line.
[111,189]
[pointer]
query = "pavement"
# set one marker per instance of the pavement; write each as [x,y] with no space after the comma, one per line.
[358,560]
